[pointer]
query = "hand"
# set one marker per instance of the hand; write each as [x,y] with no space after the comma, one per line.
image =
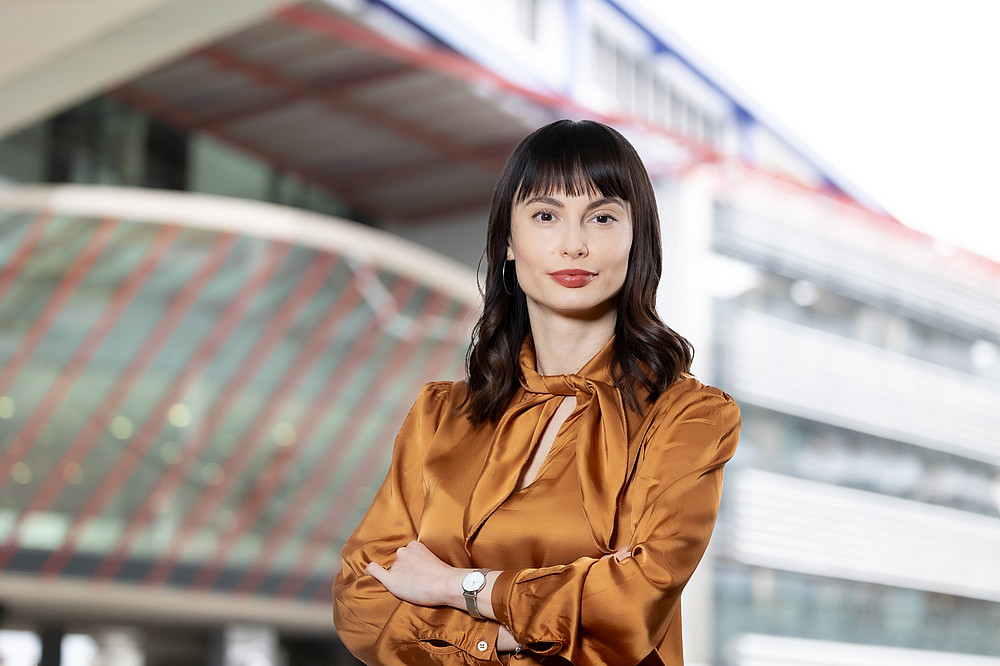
[418,576]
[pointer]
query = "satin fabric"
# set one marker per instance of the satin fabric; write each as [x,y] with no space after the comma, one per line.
[646,481]
[598,428]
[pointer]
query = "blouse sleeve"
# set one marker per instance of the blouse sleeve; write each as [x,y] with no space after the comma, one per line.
[376,626]
[598,611]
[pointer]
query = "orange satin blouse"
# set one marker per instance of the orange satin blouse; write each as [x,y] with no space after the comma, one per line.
[649,482]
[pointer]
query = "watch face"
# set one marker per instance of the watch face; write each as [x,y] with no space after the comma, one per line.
[473,581]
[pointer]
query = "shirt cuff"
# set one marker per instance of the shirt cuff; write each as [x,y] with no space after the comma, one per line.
[477,638]
[501,597]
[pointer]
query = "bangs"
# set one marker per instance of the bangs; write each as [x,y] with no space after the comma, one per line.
[575,159]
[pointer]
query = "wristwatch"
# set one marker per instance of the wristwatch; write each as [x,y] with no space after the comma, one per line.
[473,582]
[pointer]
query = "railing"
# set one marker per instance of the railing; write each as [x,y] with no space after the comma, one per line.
[807,527]
[797,369]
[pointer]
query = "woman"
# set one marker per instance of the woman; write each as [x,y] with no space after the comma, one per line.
[554,504]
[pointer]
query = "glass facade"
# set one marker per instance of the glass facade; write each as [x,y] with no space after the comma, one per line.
[801,301]
[196,409]
[106,142]
[781,603]
[813,450]
[809,286]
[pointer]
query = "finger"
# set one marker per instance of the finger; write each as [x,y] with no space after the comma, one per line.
[376,571]
[414,552]
[412,549]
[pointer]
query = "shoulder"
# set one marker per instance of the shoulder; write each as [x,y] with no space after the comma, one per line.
[442,394]
[437,407]
[695,418]
[688,397]
[439,400]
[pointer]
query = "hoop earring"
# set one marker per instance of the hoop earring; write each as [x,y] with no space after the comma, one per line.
[503,278]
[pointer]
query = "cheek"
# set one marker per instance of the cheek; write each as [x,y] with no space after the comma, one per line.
[518,240]
[624,252]
[528,247]
[521,252]
[622,264]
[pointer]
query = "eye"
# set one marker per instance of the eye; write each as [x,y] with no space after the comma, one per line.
[544,216]
[604,219]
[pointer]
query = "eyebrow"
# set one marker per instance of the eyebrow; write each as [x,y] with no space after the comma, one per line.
[596,203]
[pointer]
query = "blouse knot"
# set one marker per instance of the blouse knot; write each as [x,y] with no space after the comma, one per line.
[601,442]
[561,385]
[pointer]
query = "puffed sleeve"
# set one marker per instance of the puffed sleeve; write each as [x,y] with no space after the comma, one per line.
[376,626]
[603,611]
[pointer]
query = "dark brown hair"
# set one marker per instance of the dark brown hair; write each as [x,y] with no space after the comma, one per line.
[574,158]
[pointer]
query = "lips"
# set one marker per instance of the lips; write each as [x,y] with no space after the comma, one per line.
[573,277]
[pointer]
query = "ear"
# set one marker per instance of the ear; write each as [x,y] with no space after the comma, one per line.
[510,253]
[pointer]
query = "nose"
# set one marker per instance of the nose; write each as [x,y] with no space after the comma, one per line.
[574,244]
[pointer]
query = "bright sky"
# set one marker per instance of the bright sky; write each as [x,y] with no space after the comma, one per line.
[900,96]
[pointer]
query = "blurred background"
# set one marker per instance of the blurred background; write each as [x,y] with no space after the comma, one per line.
[237,237]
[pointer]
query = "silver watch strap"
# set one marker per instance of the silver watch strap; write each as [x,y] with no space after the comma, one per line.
[470,598]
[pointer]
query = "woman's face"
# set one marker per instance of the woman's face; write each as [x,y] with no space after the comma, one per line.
[571,252]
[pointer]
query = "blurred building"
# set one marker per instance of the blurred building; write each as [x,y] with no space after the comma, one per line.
[217,302]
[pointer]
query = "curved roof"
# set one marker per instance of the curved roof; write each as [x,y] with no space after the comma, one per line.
[371,118]
[202,393]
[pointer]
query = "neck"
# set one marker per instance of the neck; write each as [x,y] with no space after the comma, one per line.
[563,345]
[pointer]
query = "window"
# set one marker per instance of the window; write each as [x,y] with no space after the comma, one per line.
[764,601]
[527,18]
[604,61]
[644,92]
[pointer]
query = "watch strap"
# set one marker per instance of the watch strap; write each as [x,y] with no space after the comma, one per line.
[470,597]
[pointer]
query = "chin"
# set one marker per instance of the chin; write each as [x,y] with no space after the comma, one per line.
[582,303]
[587,309]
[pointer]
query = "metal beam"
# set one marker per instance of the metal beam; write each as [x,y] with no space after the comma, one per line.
[144,439]
[88,436]
[71,279]
[402,356]
[218,411]
[357,357]
[365,346]
[327,93]
[293,90]
[22,253]
[314,348]
[73,369]
[371,465]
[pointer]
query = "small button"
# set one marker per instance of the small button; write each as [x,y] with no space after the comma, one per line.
[483,646]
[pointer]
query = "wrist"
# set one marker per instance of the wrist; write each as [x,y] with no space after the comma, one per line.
[450,591]
[506,641]
[473,584]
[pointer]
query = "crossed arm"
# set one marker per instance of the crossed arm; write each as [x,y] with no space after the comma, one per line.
[419,577]
[603,610]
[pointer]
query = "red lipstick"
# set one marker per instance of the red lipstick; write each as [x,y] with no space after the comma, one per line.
[573,277]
